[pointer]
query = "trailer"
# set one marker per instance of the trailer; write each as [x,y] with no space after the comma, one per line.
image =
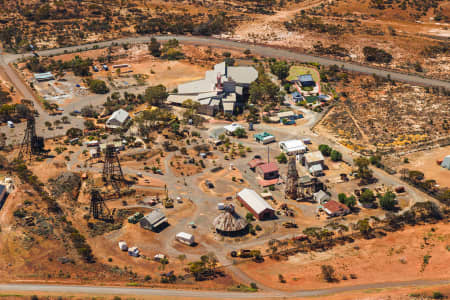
[185,238]
[123,246]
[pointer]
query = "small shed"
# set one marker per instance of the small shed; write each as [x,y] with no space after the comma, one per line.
[316,170]
[446,162]
[321,197]
[185,238]
[153,220]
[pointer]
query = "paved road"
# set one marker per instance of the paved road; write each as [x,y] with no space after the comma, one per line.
[97,290]
[257,49]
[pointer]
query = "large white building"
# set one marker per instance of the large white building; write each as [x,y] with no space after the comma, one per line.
[222,89]
[293,147]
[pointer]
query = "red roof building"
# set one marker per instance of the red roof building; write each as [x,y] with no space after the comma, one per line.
[268,170]
[254,163]
[334,208]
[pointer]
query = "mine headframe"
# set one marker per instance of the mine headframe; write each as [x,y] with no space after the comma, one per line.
[98,208]
[112,171]
[31,143]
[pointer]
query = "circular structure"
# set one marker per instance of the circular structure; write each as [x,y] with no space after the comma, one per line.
[229,223]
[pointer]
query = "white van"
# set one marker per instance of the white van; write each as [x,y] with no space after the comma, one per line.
[10,124]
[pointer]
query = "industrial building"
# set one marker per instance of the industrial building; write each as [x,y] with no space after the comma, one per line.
[225,89]
[255,204]
[153,220]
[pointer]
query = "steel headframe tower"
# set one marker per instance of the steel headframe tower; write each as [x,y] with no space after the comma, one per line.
[292,180]
[112,172]
[31,143]
[98,208]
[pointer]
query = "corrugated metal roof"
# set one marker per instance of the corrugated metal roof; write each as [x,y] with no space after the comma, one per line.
[315,156]
[268,167]
[293,145]
[243,75]
[254,200]
[155,218]
[195,87]
[119,115]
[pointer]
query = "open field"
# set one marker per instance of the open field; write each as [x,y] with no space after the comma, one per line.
[398,256]
[426,162]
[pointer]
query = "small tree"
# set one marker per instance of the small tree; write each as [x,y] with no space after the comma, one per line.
[154,48]
[282,159]
[325,149]
[387,201]
[328,273]
[367,197]
[249,217]
[240,133]
[336,155]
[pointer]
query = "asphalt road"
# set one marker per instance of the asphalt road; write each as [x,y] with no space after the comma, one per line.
[258,49]
[105,290]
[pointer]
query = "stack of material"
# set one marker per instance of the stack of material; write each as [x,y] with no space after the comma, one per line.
[229,222]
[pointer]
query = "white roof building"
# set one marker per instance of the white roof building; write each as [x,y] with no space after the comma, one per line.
[292,147]
[254,203]
[232,127]
[117,119]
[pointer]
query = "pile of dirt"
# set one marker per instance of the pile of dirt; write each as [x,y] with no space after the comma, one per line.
[66,184]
